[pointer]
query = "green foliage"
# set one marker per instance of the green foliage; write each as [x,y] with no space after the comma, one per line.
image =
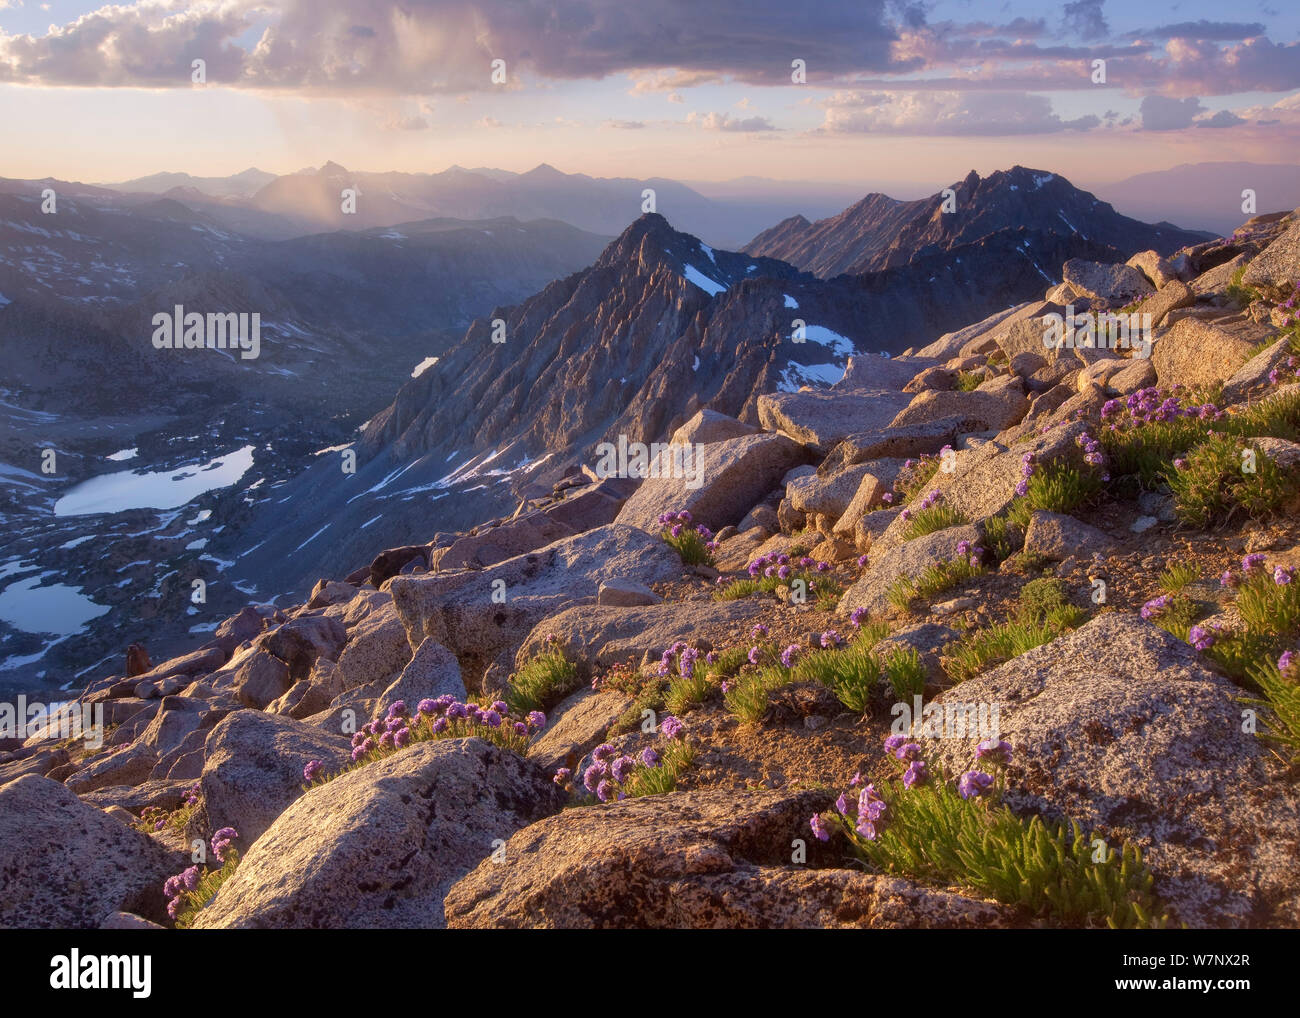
[193,902]
[928,521]
[674,758]
[1040,598]
[935,835]
[726,662]
[1239,294]
[685,693]
[1280,706]
[650,698]
[174,820]
[1001,538]
[1267,607]
[1056,488]
[1147,450]
[691,545]
[982,649]
[1177,616]
[1178,578]
[1270,613]
[851,672]
[819,585]
[913,481]
[905,672]
[968,381]
[1211,485]
[542,682]
[872,633]
[737,589]
[933,579]
[747,697]
[1276,416]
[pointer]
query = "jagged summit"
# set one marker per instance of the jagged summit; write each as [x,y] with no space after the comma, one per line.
[879,232]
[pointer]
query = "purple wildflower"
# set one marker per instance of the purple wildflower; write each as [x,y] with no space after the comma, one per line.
[974,784]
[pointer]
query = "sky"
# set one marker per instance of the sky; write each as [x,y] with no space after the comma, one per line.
[912,94]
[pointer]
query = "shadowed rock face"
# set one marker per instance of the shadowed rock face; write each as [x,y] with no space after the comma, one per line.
[661,327]
[1120,727]
[696,860]
[65,864]
[382,845]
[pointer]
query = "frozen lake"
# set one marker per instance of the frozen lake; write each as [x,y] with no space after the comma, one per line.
[57,609]
[127,489]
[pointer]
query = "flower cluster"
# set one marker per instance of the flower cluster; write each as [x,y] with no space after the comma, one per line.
[186,883]
[1255,565]
[1092,454]
[686,656]
[443,717]
[971,553]
[609,775]
[1155,606]
[221,842]
[1026,472]
[1289,665]
[864,812]
[155,818]
[1293,318]
[678,533]
[1152,406]
[1202,637]
[909,753]
[175,888]
[779,565]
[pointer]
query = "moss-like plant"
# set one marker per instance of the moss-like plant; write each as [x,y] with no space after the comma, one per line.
[961,834]
[1224,477]
[986,648]
[1057,488]
[933,579]
[542,682]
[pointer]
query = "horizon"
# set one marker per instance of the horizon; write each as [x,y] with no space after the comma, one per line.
[618,93]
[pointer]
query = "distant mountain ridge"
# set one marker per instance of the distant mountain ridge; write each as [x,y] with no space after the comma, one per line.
[309,200]
[880,232]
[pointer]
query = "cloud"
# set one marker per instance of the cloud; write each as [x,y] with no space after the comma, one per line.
[991,114]
[626,125]
[447,45]
[1161,113]
[726,122]
[676,97]
[1084,19]
[1224,118]
[487,122]
[427,47]
[411,123]
[1226,31]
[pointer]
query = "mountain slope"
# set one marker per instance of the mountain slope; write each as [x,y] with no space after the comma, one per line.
[879,232]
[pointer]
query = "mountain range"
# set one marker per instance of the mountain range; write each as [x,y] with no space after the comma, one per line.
[627,338]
